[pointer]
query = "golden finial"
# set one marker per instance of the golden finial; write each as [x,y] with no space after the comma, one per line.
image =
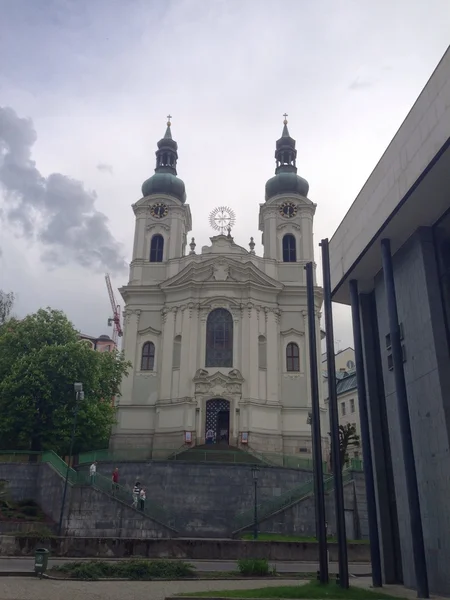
[168,120]
[285,119]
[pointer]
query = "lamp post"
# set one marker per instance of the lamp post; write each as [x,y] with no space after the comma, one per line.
[79,395]
[255,473]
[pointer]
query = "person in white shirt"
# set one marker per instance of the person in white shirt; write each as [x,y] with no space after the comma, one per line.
[142,499]
[93,471]
[136,491]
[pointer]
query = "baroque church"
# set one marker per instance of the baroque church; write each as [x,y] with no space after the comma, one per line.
[218,339]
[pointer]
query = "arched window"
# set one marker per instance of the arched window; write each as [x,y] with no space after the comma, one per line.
[289,249]
[176,359]
[157,248]
[219,339]
[262,352]
[292,357]
[148,356]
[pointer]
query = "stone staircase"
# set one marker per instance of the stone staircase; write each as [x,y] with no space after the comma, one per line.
[244,520]
[216,453]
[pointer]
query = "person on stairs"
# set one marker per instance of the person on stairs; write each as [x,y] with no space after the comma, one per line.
[93,471]
[135,495]
[142,499]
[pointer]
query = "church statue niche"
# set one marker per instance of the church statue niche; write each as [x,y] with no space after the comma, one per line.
[219,339]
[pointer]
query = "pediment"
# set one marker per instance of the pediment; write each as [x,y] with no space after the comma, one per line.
[214,385]
[292,331]
[149,331]
[202,375]
[221,270]
[223,244]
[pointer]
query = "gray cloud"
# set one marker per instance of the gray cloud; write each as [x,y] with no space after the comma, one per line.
[104,168]
[359,84]
[55,210]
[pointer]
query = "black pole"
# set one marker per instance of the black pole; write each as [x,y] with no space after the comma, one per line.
[377,579]
[255,522]
[420,564]
[68,464]
[334,420]
[316,438]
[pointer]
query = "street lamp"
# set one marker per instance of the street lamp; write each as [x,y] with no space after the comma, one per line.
[255,473]
[79,396]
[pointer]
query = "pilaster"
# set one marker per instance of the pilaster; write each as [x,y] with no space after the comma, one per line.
[185,352]
[273,356]
[167,351]
[130,349]
[253,351]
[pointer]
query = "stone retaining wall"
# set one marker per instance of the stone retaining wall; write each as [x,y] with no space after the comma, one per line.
[186,549]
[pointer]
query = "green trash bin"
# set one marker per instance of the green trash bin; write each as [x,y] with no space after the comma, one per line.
[41,561]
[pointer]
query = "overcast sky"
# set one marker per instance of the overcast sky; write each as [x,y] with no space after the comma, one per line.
[85,87]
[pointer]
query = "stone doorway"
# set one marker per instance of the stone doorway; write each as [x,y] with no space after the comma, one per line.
[217,423]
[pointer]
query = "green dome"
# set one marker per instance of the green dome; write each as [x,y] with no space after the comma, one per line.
[286,180]
[165,183]
[285,183]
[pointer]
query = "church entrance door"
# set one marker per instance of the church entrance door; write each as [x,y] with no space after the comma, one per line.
[217,426]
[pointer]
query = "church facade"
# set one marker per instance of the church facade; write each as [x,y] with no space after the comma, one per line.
[218,339]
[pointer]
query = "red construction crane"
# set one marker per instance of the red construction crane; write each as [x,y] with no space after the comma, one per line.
[115,319]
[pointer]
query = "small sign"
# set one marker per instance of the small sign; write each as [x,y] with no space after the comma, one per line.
[188,437]
[244,437]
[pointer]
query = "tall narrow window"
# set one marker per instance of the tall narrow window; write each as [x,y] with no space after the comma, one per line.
[219,339]
[176,352]
[148,356]
[292,357]
[289,249]
[157,248]
[262,352]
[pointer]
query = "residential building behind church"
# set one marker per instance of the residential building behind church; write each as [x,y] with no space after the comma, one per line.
[218,338]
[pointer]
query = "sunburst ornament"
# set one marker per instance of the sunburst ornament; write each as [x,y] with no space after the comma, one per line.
[222,219]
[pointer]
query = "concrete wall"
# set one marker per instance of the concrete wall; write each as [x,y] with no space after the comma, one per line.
[22,478]
[92,513]
[427,379]
[179,549]
[299,519]
[205,498]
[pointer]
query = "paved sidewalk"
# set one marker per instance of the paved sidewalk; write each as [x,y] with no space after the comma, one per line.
[12,588]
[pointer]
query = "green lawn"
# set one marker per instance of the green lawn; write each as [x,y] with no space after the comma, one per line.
[278,537]
[310,590]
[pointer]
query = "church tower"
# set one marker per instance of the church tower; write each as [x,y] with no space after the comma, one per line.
[286,218]
[162,217]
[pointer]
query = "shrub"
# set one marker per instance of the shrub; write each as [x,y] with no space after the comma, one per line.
[137,569]
[253,566]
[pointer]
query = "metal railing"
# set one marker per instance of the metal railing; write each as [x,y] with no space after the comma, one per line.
[99,482]
[193,454]
[60,466]
[125,494]
[245,518]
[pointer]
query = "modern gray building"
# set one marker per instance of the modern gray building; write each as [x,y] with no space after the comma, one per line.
[390,261]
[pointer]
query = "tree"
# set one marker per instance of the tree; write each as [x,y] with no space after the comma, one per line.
[6,305]
[348,438]
[40,360]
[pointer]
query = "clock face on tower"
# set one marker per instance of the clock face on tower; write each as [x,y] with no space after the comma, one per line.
[288,210]
[159,210]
